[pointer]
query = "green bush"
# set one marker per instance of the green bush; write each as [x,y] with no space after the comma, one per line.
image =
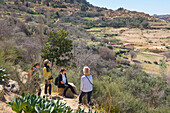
[76,19]
[113,98]
[148,89]
[59,6]
[131,91]
[2,2]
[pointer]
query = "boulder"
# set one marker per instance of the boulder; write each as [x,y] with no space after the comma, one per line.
[13,86]
[69,92]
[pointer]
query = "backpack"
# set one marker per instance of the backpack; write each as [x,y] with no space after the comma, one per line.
[56,81]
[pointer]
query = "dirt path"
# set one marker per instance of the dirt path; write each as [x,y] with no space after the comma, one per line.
[72,102]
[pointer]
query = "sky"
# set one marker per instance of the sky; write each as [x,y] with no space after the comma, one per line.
[148,6]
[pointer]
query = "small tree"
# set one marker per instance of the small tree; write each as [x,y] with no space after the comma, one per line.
[58,48]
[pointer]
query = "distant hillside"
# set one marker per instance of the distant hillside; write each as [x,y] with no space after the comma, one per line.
[68,7]
[163,17]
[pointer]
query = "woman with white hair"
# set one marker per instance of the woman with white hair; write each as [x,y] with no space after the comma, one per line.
[86,85]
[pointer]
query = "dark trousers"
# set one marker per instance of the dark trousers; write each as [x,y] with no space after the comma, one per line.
[66,86]
[37,87]
[39,92]
[46,87]
[82,94]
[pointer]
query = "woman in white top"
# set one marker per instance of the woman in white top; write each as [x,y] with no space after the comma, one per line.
[86,85]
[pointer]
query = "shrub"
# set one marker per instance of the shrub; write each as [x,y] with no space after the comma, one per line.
[124,62]
[133,55]
[59,6]
[28,18]
[114,99]
[30,11]
[150,41]
[88,14]
[23,27]
[167,54]
[155,62]
[110,47]
[106,53]
[148,89]
[105,40]
[94,39]
[131,91]
[5,30]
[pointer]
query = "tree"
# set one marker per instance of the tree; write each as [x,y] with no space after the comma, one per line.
[58,48]
[86,57]
[120,9]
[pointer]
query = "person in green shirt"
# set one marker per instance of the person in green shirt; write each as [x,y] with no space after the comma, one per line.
[34,76]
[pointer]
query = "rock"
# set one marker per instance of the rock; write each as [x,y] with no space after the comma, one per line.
[60,91]
[24,77]
[13,86]
[69,92]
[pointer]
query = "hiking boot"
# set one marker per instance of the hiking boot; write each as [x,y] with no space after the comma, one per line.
[90,111]
[64,96]
[46,95]
[50,96]
[79,106]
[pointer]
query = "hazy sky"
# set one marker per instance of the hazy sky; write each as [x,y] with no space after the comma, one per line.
[148,6]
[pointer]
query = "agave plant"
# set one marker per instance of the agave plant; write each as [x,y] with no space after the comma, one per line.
[35,104]
[3,74]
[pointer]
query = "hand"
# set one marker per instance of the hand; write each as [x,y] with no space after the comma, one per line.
[62,82]
[48,81]
[39,84]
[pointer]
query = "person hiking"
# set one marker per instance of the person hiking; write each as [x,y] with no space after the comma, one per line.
[63,83]
[86,86]
[47,76]
[34,76]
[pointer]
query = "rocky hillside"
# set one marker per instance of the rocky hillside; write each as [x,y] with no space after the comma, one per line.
[69,7]
[163,17]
